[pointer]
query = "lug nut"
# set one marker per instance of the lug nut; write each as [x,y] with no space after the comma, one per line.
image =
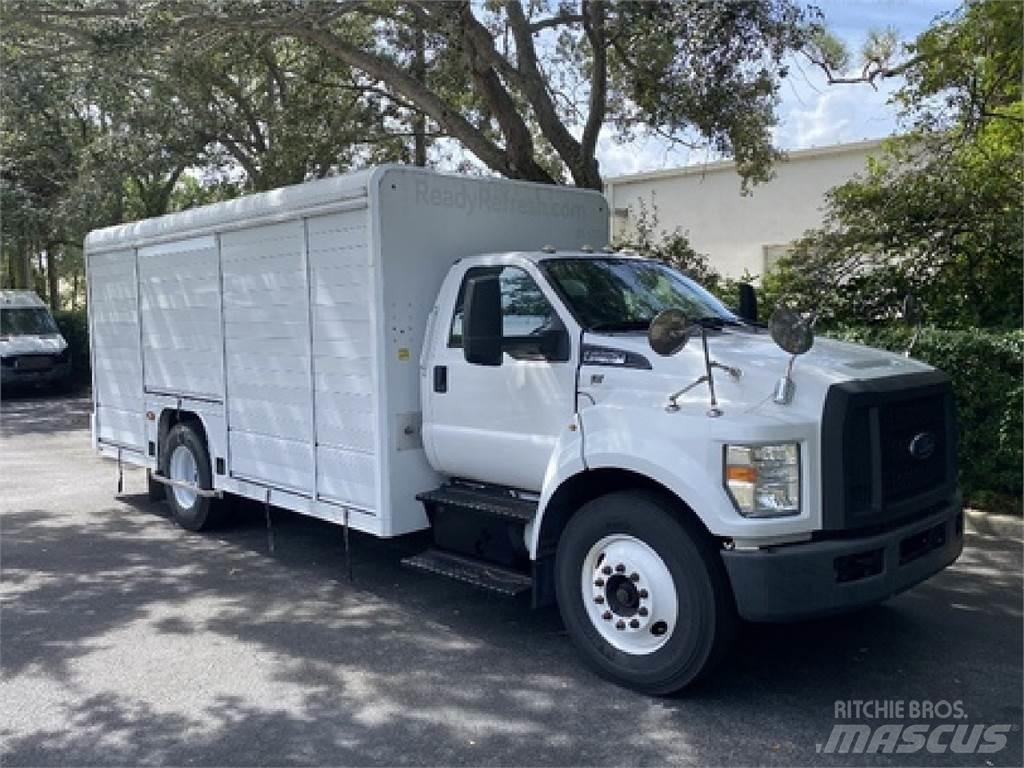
[643,594]
[598,599]
[642,611]
[607,570]
[599,582]
[620,568]
[607,615]
[634,624]
[634,577]
[620,624]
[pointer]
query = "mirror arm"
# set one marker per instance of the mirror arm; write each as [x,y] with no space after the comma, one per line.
[709,377]
[709,374]
[673,404]
[785,387]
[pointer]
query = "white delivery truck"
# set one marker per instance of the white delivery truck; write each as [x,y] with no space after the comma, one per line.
[399,349]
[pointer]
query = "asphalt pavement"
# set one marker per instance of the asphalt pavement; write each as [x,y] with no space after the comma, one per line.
[125,640]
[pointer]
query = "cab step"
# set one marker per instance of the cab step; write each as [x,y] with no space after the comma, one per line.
[477,573]
[491,502]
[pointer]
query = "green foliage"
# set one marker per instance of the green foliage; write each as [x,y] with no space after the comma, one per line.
[986,368]
[74,327]
[709,70]
[939,214]
[671,247]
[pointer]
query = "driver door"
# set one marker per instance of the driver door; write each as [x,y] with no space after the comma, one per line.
[499,423]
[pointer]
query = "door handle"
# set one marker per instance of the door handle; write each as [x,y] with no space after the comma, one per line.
[440,378]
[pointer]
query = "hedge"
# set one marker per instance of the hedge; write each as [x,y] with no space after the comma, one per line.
[74,327]
[986,368]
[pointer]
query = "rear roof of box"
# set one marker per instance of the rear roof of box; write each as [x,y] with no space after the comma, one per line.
[296,197]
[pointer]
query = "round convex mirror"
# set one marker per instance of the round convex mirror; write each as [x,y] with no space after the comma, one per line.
[669,332]
[791,331]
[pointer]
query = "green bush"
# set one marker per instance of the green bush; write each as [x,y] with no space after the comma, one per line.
[986,368]
[74,327]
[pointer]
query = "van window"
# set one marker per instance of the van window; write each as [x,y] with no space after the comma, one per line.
[531,329]
[26,321]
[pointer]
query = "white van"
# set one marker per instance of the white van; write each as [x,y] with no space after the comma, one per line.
[397,349]
[32,350]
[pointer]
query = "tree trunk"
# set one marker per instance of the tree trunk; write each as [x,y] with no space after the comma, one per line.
[419,122]
[52,277]
[22,266]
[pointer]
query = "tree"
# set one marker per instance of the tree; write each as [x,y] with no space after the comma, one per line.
[525,89]
[939,214]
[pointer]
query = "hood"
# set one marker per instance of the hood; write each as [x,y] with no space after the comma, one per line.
[761,363]
[52,343]
[754,352]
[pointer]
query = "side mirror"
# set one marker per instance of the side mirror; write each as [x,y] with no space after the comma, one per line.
[482,321]
[791,331]
[669,332]
[748,302]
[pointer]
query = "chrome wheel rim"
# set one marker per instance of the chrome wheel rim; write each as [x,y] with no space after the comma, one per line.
[629,594]
[183,468]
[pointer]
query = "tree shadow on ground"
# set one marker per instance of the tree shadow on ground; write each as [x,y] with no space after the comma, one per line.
[175,648]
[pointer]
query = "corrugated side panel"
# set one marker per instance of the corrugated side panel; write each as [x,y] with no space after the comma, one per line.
[266,348]
[343,363]
[113,307]
[179,286]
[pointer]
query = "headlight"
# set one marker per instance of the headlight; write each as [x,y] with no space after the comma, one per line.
[764,480]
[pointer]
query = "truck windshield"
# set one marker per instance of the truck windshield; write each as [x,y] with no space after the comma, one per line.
[618,294]
[26,321]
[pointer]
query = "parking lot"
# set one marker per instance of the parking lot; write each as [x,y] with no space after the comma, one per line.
[125,640]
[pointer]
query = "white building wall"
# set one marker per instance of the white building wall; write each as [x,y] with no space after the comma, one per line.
[738,233]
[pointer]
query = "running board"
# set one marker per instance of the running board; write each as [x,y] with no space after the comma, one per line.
[495,503]
[477,573]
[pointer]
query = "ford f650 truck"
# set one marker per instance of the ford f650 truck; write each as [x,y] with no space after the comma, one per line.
[397,349]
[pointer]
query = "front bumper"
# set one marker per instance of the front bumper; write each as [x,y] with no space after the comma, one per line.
[800,581]
[51,375]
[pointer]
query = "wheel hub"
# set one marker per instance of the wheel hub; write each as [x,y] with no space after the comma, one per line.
[629,594]
[622,596]
[183,468]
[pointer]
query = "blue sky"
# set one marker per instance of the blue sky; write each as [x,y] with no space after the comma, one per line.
[812,113]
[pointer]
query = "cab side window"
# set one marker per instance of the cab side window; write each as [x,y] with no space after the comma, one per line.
[531,329]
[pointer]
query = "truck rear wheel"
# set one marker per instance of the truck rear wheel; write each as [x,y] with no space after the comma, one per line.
[643,593]
[186,460]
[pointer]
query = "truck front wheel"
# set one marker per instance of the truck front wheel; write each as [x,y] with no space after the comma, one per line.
[643,592]
[186,460]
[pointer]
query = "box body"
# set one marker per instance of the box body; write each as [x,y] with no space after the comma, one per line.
[291,323]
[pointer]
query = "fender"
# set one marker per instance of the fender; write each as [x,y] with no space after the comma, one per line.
[209,415]
[566,462]
[681,452]
[599,443]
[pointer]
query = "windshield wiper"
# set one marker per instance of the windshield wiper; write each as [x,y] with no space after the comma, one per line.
[715,322]
[621,325]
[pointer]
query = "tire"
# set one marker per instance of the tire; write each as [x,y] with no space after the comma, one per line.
[674,641]
[182,446]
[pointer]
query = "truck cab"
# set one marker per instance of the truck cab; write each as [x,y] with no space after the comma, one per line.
[668,492]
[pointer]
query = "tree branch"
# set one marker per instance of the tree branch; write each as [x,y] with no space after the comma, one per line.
[594,27]
[405,84]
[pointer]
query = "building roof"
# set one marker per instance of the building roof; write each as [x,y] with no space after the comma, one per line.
[795,155]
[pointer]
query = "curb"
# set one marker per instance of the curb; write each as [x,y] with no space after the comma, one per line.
[985,524]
